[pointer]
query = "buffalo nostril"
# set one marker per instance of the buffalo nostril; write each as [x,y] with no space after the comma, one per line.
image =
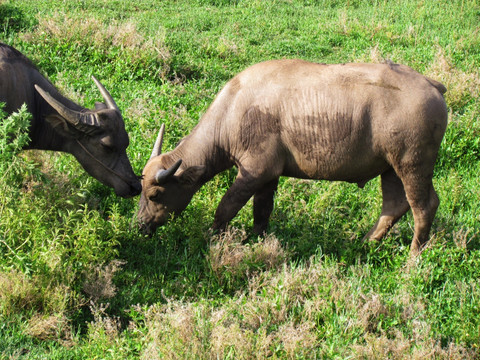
[136,188]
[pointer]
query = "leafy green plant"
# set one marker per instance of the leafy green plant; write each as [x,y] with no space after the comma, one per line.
[13,136]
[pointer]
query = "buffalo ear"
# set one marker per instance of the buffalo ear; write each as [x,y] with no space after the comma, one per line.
[62,126]
[67,120]
[191,175]
[68,129]
[100,106]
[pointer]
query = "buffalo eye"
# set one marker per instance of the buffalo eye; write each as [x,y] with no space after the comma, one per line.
[107,142]
[154,194]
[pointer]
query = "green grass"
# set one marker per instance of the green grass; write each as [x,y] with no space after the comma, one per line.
[77,280]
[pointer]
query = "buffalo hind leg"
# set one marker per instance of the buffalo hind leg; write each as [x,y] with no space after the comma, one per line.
[263,206]
[424,203]
[394,205]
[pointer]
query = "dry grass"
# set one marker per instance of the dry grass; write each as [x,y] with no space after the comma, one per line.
[224,47]
[99,284]
[21,293]
[280,314]
[104,328]
[398,347]
[92,33]
[231,340]
[229,256]
[256,325]
[374,56]
[297,339]
[186,331]
[283,314]
[44,305]
[52,327]
[461,86]
[463,236]
[18,293]
[175,331]
[370,310]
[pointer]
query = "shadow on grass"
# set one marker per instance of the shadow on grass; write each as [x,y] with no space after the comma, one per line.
[13,19]
[174,262]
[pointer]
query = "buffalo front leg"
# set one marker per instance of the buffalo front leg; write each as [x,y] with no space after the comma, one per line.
[234,199]
[394,205]
[263,206]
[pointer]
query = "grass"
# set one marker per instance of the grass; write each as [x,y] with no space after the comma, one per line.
[77,281]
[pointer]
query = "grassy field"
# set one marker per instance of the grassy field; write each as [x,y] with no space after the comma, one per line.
[77,281]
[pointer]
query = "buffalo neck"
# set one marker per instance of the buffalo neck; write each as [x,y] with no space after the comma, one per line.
[203,147]
[42,135]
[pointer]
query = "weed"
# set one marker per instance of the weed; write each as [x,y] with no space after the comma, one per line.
[103,328]
[13,136]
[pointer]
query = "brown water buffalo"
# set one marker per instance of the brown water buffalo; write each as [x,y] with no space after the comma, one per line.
[97,138]
[349,122]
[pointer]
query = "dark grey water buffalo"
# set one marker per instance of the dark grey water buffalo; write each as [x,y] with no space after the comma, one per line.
[97,138]
[349,122]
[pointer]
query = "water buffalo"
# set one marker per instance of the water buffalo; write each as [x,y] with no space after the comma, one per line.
[97,138]
[349,122]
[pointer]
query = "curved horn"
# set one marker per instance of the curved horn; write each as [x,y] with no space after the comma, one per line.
[163,175]
[106,95]
[157,148]
[72,116]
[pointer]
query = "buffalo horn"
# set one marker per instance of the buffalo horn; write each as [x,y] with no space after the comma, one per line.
[163,175]
[106,95]
[157,148]
[73,117]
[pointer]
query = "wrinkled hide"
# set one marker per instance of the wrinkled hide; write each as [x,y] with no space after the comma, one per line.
[349,122]
[97,138]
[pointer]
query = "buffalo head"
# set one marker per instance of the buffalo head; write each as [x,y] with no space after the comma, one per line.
[166,188]
[97,138]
